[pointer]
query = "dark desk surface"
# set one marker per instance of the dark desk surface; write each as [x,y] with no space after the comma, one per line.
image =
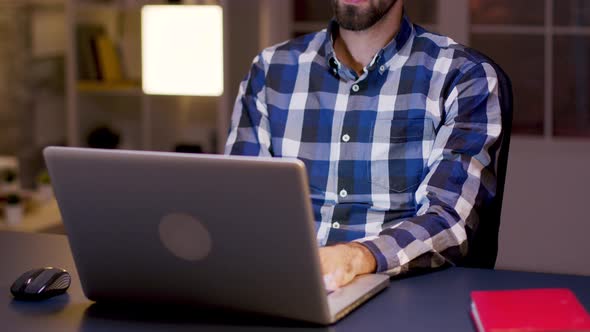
[437,301]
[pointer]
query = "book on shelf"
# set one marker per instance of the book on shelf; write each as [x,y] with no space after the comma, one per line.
[99,59]
[85,50]
[546,309]
[109,61]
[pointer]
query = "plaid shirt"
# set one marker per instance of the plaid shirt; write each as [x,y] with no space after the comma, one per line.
[398,158]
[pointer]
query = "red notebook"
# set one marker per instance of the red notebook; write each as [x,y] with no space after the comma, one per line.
[551,309]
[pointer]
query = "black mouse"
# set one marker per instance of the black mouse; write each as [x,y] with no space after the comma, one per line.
[40,284]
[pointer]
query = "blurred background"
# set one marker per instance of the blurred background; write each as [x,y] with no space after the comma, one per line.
[54,91]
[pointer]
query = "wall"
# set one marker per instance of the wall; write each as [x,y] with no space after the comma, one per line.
[243,17]
[545,224]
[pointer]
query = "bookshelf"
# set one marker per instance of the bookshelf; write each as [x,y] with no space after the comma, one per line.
[106,88]
[148,122]
[115,81]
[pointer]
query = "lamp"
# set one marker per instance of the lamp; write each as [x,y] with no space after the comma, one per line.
[182,50]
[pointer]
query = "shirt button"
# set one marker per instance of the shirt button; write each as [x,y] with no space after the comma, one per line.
[345,138]
[355,88]
[382,69]
[343,193]
[335,225]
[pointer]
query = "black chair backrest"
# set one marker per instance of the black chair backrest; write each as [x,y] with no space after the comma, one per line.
[483,241]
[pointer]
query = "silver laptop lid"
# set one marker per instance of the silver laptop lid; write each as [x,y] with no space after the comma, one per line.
[229,231]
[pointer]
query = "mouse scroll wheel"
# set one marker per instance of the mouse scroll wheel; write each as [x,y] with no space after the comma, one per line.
[62,282]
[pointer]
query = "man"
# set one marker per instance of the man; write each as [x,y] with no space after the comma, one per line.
[398,130]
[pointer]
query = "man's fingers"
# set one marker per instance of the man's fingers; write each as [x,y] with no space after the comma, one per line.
[330,283]
[337,279]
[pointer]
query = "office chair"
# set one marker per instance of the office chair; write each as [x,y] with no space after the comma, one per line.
[483,241]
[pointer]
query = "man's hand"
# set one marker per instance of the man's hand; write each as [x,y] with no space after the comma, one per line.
[342,262]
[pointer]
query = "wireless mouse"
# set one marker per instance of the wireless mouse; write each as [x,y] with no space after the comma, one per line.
[40,284]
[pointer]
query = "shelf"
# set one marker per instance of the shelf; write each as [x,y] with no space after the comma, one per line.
[125,88]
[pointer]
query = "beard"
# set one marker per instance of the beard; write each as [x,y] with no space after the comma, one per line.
[354,18]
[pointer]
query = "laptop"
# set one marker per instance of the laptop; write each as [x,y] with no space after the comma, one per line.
[207,230]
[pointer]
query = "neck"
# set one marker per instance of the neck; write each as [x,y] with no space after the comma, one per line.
[356,49]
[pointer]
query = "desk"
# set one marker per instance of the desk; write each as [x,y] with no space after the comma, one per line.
[437,301]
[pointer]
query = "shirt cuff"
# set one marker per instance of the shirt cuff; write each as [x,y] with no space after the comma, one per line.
[385,250]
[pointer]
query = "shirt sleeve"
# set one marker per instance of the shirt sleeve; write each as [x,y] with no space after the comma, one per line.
[461,178]
[249,133]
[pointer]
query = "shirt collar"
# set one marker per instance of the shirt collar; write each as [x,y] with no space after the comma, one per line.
[382,57]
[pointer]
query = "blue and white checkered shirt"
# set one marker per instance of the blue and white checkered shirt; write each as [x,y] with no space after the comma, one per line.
[398,158]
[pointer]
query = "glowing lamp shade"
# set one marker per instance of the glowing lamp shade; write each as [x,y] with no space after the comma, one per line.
[182,50]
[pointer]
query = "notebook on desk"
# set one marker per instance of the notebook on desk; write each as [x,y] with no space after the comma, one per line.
[223,231]
[550,309]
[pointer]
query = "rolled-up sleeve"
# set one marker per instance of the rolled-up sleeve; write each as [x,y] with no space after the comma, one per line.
[461,178]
